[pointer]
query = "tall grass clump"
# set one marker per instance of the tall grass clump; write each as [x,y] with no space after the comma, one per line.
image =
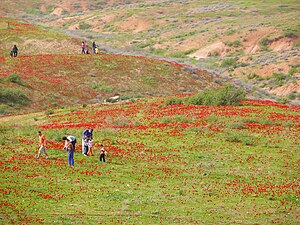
[227,95]
[173,101]
[13,97]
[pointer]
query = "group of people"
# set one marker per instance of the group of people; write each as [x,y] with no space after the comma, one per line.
[86,50]
[14,51]
[69,146]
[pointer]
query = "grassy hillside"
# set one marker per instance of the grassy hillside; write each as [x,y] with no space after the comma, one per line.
[43,82]
[241,39]
[34,39]
[166,164]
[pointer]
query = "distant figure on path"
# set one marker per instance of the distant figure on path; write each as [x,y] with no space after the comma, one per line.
[14,51]
[83,47]
[87,50]
[94,47]
[42,145]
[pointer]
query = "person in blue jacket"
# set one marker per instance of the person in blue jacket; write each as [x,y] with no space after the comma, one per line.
[87,133]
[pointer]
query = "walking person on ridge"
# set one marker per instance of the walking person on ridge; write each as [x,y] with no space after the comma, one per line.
[83,46]
[14,51]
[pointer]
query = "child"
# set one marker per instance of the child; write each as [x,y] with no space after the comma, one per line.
[86,146]
[90,144]
[102,153]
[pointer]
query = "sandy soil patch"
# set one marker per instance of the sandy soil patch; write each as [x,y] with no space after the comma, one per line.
[218,47]
[251,40]
[135,24]
[50,47]
[287,89]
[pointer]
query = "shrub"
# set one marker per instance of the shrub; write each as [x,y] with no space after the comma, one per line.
[173,101]
[84,26]
[292,96]
[264,44]
[230,62]
[235,43]
[280,76]
[290,34]
[264,41]
[230,32]
[228,95]
[292,71]
[157,51]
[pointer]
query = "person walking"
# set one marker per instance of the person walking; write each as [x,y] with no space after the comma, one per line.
[94,47]
[102,153]
[83,47]
[70,142]
[42,145]
[14,51]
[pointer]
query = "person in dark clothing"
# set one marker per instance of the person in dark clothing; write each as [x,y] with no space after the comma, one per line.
[83,46]
[103,153]
[14,51]
[87,133]
[94,47]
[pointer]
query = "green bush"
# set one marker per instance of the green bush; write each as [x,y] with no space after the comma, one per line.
[290,34]
[228,95]
[280,76]
[230,62]
[293,70]
[264,44]
[236,43]
[264,41]
[173,101]
[84,26]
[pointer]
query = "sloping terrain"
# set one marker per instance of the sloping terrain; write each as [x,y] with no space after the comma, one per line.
[34,39]
[239,39]
[216,164]
[43,82]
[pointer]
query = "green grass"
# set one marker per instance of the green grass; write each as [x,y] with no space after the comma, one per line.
[167,164]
